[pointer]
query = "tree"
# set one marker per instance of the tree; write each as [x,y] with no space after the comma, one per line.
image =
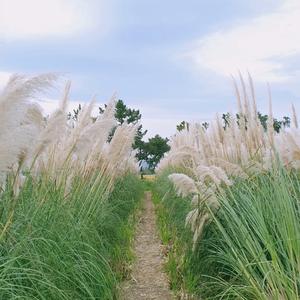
[186,125]
[154,150]
[74,115]
[205,125]
[151,151]
[277,124]
[183,125]
[226,119]
[132,116]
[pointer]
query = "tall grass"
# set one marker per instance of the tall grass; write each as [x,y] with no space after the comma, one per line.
[67,197]
[241,188]
[66,248]
[250,248]
[257,239]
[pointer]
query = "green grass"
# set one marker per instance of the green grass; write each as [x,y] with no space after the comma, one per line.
[251,248]
[66,247]
[171,211]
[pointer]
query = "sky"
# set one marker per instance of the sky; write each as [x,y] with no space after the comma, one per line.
[171,59]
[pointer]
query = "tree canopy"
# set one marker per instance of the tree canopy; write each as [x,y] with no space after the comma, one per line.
[154,150]
[150,151]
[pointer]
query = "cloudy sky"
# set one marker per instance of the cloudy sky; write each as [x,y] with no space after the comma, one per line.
[171,59]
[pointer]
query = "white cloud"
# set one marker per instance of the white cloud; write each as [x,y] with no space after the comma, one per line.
[22,19]
[260,45]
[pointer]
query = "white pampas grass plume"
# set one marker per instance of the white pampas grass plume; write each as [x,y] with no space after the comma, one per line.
[199,229]
[204,172]
[195,200]
[18,183]
[184,185]
[191,218]
[15,123]
[119,149]
[295,119]
[221,175]
[196,221]
[65,99]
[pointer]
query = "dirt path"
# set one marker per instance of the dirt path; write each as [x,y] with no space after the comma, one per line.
[148,281]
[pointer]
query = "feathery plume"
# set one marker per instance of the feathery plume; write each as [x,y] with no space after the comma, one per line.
[184,185]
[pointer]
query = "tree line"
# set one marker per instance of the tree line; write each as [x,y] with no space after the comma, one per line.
[285,122]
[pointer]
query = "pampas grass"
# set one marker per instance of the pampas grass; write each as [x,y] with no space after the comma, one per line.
[60,182]
[240,149]
[240,182]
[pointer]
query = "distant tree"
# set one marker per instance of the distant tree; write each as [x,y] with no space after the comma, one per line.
[123,113]
[154,150]
[131,116]
[185,125]
[226,119]
[263,120]
[277,124]
[74,115]
[205,125]
[151,151]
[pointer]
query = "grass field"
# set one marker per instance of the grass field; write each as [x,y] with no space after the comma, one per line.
[68,198]
[248,250]
[228,206]
[226,196]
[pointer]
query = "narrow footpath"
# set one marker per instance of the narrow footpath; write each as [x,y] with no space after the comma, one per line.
[148,280]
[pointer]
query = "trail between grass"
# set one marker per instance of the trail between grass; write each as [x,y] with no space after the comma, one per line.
[148,280]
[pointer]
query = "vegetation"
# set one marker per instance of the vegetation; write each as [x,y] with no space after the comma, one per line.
[154,150]
[227,117]
[148,153]
[67,248]
[227,199]
[67,197]
[235,187]
[247,252]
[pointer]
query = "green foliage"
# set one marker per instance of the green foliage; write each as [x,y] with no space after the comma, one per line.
[151,151]
[257,238]
[154,150]
[171,212]
[185,125]
[124,113]
[249,250]
[131,116]
[71,246]
[277,124]
[74,115]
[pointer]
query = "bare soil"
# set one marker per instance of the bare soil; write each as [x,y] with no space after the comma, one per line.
[148,280]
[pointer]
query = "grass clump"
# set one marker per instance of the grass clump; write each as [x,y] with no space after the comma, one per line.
[249,249]
[171,213]
[66,247]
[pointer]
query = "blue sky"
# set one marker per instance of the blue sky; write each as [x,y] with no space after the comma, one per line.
[170,59]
